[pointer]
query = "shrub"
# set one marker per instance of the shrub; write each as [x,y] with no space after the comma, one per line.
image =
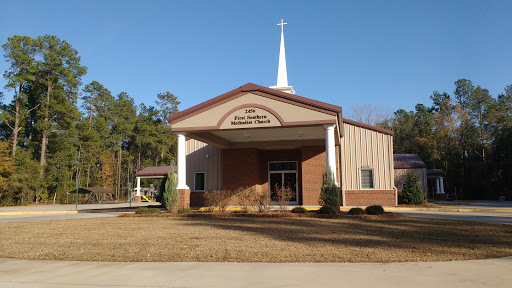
[329,193]
[217,199]
[374,210]
[184,210]
[283,196]
[142,210]
[299,209]
[171,197]
[263,201]
[146,210]
[411,194]
[356,211]
[155,211]
[245,198]
[327,209]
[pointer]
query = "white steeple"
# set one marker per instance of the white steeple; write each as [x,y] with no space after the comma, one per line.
[282,75]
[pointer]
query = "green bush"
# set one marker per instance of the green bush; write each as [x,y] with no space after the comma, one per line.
[329,193]
[142,210]
[327,209]
[171,196]
[155,211]
[299,209]
[411,194]
[356,211]
[146,210]
[184,210]
[374,210]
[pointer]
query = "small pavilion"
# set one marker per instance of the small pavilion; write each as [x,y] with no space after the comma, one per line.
[438,175]
[157,172]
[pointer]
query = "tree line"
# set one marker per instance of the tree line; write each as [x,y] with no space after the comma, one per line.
[468,134]
[48,143]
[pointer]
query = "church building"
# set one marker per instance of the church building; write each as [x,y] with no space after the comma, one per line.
[268,138]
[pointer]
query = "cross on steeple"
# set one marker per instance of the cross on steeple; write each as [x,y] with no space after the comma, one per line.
[282,25]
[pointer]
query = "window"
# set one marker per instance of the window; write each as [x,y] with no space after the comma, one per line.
[366,178]
[199,181]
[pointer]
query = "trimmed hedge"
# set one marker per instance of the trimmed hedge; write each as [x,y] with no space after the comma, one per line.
[299,209]
[374,210]
[356,211]
[327,209]
[146,210]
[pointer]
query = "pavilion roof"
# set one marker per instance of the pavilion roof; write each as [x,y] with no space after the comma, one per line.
[405,161]
[154,171]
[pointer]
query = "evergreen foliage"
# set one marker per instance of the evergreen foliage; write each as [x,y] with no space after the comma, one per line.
[52,142]
[327,209]
[171,196]
[329,192]
[299,209]
[374,210]
[356,211]
[411,194]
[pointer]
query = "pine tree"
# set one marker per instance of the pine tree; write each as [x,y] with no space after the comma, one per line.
[411,194]
[171,197]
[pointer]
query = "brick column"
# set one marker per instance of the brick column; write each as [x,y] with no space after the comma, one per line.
[184,198]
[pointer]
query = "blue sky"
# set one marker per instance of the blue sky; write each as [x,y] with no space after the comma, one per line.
[389,53]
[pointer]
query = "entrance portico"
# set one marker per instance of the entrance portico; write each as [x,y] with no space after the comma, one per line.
[253,127]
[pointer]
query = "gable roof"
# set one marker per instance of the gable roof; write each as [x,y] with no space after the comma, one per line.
[155,171]
[250,87]
[435,172]
[405,161]
[94,190]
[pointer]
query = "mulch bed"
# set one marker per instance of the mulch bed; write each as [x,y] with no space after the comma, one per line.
[270,214]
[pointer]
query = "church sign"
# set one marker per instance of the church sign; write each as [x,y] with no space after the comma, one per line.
[249,117]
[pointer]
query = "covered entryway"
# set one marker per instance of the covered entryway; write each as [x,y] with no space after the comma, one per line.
[263,138]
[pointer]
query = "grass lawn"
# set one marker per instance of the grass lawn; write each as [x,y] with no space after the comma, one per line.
[244,239]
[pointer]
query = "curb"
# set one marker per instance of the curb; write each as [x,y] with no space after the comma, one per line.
[37,213]
[345,209]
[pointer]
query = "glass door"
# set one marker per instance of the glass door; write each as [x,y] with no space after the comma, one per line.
[283,175]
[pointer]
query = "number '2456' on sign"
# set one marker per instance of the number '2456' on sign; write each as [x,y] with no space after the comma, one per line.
[250,111]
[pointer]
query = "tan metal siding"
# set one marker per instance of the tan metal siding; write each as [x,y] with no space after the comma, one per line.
[198,162]
[401,176]
[364,147]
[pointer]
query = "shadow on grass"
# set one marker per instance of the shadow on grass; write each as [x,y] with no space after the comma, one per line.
[414,234]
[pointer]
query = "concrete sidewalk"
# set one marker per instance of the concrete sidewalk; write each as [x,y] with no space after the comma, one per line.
[57,274]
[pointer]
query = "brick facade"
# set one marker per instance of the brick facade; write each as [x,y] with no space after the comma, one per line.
[248,167]
[184,201]
[241,168]
[370,197]
[313,166]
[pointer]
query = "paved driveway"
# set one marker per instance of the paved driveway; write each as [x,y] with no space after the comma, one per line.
[28,218]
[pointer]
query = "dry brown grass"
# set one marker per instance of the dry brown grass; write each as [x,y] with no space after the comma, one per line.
[255,239]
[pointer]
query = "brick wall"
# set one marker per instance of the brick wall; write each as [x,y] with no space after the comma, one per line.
[370,197]
[313,166]
[184,201]
[196,199]
[241,168]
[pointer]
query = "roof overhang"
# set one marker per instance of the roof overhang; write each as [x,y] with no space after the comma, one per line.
[257,116]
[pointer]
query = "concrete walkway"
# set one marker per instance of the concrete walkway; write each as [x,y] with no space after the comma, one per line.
[57,274]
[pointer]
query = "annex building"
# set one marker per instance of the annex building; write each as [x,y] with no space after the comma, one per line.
[254,136]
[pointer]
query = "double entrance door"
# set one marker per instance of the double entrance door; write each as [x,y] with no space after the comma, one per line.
[283,178]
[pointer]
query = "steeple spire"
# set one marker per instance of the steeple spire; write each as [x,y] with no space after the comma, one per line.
[282,75]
